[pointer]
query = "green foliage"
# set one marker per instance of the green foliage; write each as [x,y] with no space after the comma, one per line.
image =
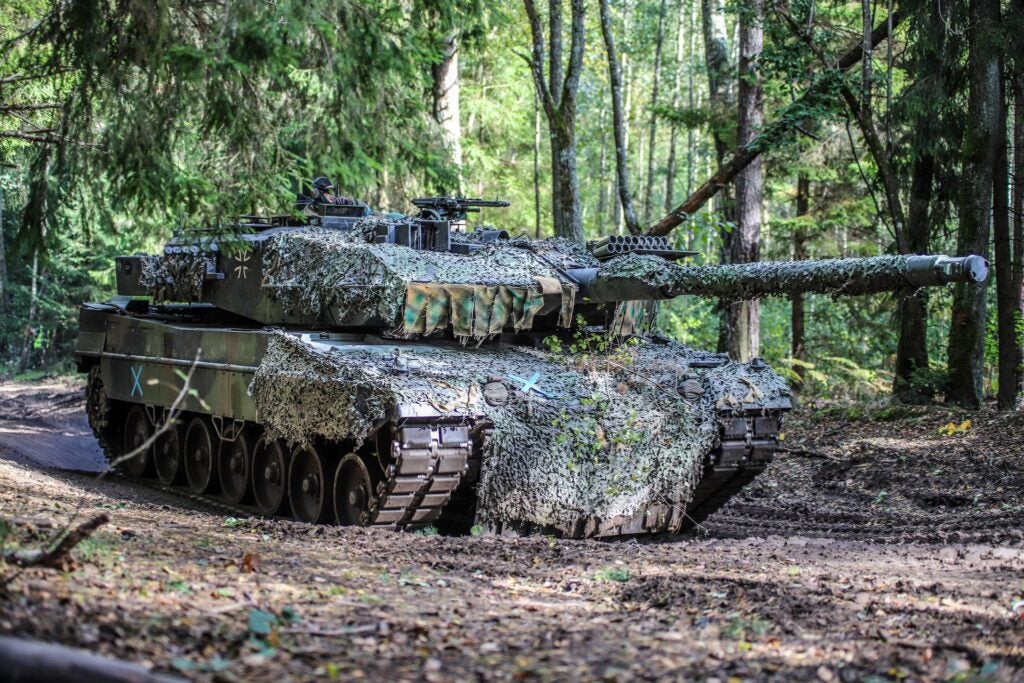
[616,574]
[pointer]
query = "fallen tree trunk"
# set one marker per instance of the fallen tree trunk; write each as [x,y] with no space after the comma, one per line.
[783,125]
[28,661]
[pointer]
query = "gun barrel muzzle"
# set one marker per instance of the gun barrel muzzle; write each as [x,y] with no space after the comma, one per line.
[930,271]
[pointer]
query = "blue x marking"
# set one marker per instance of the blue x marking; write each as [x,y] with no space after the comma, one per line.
[136,376]
[531,384]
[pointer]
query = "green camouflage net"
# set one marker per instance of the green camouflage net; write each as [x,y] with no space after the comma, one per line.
[413,291]
[612,436]
[173,277]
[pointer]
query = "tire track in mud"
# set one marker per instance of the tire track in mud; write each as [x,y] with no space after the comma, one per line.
[742,521]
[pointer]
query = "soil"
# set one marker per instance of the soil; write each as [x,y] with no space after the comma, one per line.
[876,548]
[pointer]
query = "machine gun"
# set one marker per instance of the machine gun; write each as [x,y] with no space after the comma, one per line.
[452,208]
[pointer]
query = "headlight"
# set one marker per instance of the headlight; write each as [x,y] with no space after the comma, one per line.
[495,393]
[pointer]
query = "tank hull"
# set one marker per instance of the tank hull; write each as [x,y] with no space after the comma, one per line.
[351,428]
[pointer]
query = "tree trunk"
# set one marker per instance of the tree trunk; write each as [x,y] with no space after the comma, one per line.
[653,125]
[446,102]
[1018,221]
[866,72]
[716,56]
[930,71]
[798,346]
[558,91]
[677,86]
[691,98]
[602,173]
[33,304]
[967,330]
[1007,298]
[912,348]
[536,162]
[746,236]
[3,258]
[720,86]
[618,122]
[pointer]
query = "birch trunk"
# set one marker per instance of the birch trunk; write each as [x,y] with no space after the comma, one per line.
[446,102]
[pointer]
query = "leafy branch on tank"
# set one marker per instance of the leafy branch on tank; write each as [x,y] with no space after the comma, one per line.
[591,346]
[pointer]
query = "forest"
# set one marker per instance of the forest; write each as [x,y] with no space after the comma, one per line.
[769,447]
[746,131]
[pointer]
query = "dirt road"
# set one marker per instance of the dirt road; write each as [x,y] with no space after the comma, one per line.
[793,582]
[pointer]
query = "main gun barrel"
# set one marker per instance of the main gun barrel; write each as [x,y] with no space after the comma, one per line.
[637,277]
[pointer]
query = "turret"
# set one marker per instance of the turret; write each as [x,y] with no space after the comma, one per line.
[421,275]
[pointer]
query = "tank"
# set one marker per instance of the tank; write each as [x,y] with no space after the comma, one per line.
[401,372]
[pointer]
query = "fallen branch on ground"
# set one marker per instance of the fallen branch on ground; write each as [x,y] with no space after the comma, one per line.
[56,554]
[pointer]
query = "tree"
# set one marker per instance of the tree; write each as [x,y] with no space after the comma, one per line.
[559,90]
[446,100]
[1018,213]
[169,107]
[678,65]
[923,103]
[979,150]
[744,317]
[618,123]
[652,126]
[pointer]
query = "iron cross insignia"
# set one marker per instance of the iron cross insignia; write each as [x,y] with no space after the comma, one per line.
[242,269]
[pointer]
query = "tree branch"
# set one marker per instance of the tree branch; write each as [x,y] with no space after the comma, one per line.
[34,136]
[537,60]
[867,128]
[570,87]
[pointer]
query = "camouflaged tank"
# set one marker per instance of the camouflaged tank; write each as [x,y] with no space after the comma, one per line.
[399,372]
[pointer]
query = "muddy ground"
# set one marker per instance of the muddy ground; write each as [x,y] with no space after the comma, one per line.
[876,549]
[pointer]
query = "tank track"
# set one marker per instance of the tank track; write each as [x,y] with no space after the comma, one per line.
[200,502]
[430,458]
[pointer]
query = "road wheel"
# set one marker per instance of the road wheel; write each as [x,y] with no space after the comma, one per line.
[354,490]
[308,488]
[137,431]
[234,462]
[268,475]
[199,456]
[167,455]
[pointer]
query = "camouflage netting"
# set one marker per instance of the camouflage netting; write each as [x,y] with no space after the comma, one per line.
[416,291]
[614,436]
[741,282]
[173,277]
